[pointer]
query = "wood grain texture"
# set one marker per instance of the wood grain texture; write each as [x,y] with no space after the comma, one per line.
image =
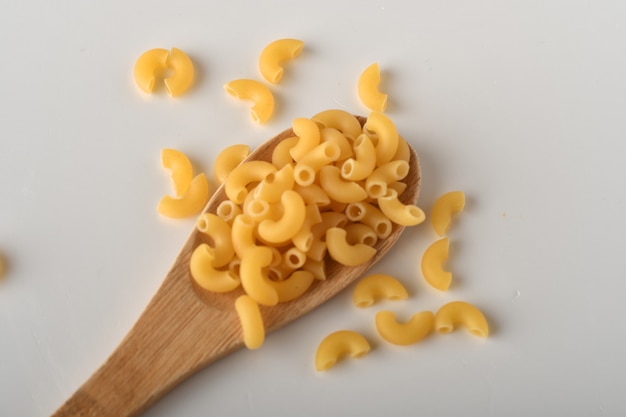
[184,328]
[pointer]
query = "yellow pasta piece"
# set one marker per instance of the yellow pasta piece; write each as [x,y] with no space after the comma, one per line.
[432,265]
[228,159]
[341,120]
[417,328]
[337,188]
[399,213]
[387,134]
[190,203]
[377,182]
[336,345]
[155,63]
[285,228]
[309,164]
[220,233]
[247,173]
[367,88]
[251,321]
[444,208]
[294,286]
[180,168]
[243,235]
[329,134]
[304,238]
[258,93]
[274,54]
[308,134]
[273,185]
[281,155]
[254,277]
[363,164]
[205,274]
[460,312]
[360,233]
[376,286]
[344,253]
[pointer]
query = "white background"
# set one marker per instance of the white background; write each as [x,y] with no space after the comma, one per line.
[520,104]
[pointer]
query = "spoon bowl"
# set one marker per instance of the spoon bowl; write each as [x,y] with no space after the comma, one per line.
[185,328]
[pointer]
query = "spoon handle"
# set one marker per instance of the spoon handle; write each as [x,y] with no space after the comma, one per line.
[175,336]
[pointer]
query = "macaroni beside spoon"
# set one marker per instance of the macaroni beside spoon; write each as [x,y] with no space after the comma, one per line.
[184,328]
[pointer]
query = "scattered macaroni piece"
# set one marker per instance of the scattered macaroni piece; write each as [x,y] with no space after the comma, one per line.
[251,321]
[460,312]
[368,91]
[258,93]
[338,344]
[204,272]
[375,286]
[190,203]
[444,208]
[417,328]
[155,63]
[274,54]
[397,212]
[344,253]
[180,168]
[432,265]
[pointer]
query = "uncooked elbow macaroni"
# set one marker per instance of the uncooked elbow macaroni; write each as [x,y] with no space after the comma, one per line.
[367,88]
[387,134]
[338,344]
[460,312]
[292,219]
[206,275]
[344,253]
[251,321]
[341,120]
[154,64]
[414,330]
[188,204]
[432,265]
[220,233]
[444,208]
[258,93]
[397,212]
[376,286]
[254,278]
[180,169]
[237,182]
[274,54]
[228,159]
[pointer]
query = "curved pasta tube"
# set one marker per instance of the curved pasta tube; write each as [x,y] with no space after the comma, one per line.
[243,235]
[294,286]
[417,328]
[460,312]
[251,321]
[182,73]
[274,54]
[228,159]
[190,203]
[154,63]
[375,286]
[341,120]
[285,228]
[273,185]
[399,213]
[339,189]
[387,133]
[338,344]
[367,88]
[444,208]
[254,278]
[220,233]
[180,168]
[329,134]
[204,273]
[308,134]
[258,93]
[376,184]
[308,166]
[281,155]
[344,253]
[364,162]
[360,233]
[432,265]
[237,182]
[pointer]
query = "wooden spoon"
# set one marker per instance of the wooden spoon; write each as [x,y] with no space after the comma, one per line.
[184,328]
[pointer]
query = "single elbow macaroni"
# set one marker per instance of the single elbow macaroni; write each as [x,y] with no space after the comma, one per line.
[274,54]
[228,159]
[205,274]
[289,224]
[220,233]
[180,168]
[294,286]
[417,328]
[308,134]
[251,321]
[253,277]
[258,93]
[340,120]
[364,162]
[339,189]
[387,133]
[432,265]
[190,203]
[444,208]
[338,344]
[155,63]
[367,88]
[460,312]
[344,253]
[397,212]
[376,286]
[237,182]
